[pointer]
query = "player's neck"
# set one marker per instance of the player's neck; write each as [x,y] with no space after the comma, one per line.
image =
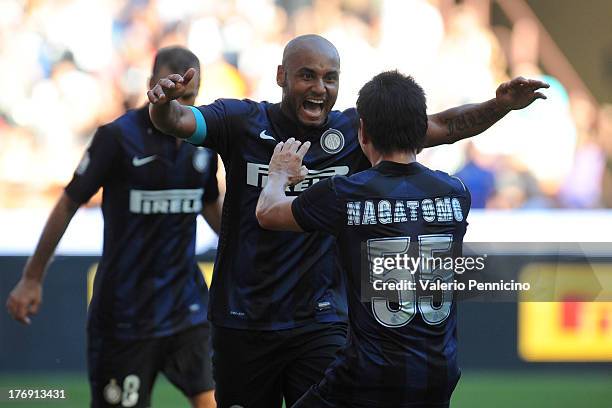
[403,157]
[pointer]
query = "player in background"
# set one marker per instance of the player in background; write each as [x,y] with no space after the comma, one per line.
[277,302]
[147,314]
[401,354]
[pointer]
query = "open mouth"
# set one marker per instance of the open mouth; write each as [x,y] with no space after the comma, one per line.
[313,107]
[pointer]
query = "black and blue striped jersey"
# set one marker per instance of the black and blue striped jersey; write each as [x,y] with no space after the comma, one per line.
[147,283]
[402,343]
[269,280]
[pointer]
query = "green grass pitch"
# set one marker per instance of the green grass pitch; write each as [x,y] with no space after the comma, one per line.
[475,390]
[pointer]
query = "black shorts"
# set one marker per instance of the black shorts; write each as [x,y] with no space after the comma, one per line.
[122,373]
[256,369]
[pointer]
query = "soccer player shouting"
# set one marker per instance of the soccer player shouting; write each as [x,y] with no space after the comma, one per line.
[277,302]
[147,311]
[402,355]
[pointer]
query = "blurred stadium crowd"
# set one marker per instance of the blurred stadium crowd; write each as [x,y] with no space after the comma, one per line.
[68,66]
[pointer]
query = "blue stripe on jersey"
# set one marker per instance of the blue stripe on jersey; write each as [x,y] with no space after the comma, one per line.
[199,134]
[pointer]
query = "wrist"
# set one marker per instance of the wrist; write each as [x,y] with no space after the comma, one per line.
[500,106]
[279,177]
[33,273]
[31,280]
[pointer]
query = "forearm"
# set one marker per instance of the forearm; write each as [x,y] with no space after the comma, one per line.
[271,195]
[173,119]
[463,121]
[274,207]
[52,233]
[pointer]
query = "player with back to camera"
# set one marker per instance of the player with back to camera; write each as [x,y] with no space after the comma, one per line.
[147,313]
[402,355]
[277,302]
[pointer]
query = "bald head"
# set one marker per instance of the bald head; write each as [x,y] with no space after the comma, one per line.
[311,43]
[309,76]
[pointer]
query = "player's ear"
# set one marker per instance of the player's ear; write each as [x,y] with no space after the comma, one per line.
[362,134]
[281,76]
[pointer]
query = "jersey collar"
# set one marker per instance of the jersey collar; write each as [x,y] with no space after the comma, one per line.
[288,127]
[399,168]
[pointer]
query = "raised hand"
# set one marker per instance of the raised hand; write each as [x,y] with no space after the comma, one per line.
[519,93]
[171,87]
[287,160]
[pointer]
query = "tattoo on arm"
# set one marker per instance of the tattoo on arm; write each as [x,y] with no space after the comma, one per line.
[472,119]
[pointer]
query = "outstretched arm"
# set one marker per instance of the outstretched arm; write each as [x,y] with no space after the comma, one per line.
[25,299]
[274,207]
[470,120]
[167,114]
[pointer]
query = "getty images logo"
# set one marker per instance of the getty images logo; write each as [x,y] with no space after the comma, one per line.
[180,201]
[257,176]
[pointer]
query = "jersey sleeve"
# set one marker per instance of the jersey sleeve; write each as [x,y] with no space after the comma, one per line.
[211,188]
[319,208]
[95,166]
[220,125]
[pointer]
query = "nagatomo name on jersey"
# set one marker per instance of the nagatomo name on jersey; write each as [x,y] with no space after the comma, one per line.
[371,212]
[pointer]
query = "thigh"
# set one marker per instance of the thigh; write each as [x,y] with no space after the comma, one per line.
[247,367]
[121,373]
[187,361]
[313,349]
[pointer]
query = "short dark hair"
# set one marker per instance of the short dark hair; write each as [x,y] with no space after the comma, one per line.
[394,112]
[177,59]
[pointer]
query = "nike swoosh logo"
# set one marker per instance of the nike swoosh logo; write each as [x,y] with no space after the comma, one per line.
[264,136]
[141,162]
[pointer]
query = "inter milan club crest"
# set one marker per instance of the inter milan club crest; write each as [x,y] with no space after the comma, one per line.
[200,160]
[332,141]
[112,392]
